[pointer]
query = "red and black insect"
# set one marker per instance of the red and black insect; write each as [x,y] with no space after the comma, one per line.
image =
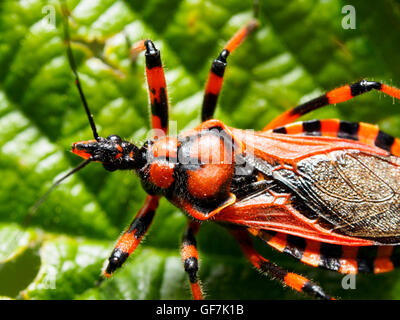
[326,192]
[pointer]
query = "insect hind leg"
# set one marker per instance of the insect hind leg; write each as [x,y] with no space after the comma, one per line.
[334,96]
[292,280]
[357,131]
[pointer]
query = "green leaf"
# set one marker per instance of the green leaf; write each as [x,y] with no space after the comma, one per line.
[299,51]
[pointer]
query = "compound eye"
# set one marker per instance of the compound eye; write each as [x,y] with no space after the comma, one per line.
[114,138]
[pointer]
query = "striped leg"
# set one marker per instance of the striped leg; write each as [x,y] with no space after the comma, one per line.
[358,131]
[190,258]
[343,259]
[216,75]
[331,97]
[293,280]
[157,85]
[131,238]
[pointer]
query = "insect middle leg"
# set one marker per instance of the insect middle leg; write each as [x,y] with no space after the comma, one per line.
[334,96]
[131,238]
[292,280]
[190,258]
[216,74]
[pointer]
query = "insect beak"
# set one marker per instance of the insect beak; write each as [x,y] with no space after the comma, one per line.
[84,148]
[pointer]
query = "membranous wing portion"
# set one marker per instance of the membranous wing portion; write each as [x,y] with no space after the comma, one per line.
[357,193]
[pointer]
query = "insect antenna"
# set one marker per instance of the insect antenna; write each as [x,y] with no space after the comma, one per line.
[38,203]
[256,8]
[35,207]
[72,63]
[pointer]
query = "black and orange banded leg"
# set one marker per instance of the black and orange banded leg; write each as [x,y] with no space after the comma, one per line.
[190,258]
[292,280]
[131,238]
[359,131]
[156,83]
[332,97]
[216,74]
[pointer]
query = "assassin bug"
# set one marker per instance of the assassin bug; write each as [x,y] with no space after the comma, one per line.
[323,191]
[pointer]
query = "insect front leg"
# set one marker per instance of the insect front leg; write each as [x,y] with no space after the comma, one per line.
[216,74]
[334,96]
[190,258]
[131,238]
[156,84]
[292,280]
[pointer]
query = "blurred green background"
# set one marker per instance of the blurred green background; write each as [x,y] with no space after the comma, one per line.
[299,51]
